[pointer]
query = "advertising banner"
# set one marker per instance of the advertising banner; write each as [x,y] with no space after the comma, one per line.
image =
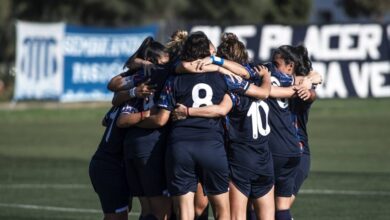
[93,56]
[39,61]
[353,58]
[68,63]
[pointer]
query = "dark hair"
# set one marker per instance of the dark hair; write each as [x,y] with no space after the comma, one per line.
[175,43]
[196,46]
[149,50]
[232,49]
[297,55]
[305,65]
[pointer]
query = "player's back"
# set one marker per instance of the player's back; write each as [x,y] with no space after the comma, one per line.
[197,90]
[111,144]
[283,139]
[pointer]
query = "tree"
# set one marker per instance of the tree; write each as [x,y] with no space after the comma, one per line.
[366,8]
[248,11]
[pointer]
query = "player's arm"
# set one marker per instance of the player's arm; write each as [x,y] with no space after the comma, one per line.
[202,66]
[302,83]
[124,81]
[210,111]
[232,66]
[262,91]
[158,118]
[160,115]
[141,91]
[130,116]
[126,120]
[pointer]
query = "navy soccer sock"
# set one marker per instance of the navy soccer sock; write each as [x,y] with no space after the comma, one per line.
[283,215]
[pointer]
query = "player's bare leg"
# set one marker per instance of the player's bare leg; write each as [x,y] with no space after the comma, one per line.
[221,206]
[238,203]
[201,202]
[265,206]
[292,200]
[184,206]
[282,205]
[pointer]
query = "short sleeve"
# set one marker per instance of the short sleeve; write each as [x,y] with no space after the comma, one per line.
[166,99]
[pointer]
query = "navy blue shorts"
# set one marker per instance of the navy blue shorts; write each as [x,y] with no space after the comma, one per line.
[109,182]
[144,159]
[285,169]
[190,161]
[302,172]
[251,168]
[146,176]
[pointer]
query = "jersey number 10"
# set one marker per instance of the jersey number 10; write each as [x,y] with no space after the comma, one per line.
[257,121]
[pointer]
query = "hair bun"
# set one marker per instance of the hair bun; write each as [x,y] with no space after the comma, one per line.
[228,36]
[179,35]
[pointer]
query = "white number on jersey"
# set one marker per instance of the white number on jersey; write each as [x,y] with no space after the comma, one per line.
[282,102]
[112,116]
[257,123]
[198,101]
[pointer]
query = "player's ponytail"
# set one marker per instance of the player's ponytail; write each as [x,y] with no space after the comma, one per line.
[139,53]
[175,44]
[153,52]
[232,49]
[150,50]
[228,36]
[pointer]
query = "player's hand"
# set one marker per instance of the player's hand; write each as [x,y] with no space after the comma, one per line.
[145,89]
[315,77]
[303,93]
[148,67]
[179,113]
[306,83]
[200,63]
[261,70]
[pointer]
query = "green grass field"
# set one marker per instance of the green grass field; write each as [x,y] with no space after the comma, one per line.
[44,157]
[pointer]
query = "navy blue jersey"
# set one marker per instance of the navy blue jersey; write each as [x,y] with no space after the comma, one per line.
[300,110]
[248,119]
[157,78]
[283,139]
[111,145]
[194,90]
[141,140]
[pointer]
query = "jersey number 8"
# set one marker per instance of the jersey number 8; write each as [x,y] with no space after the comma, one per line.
[206,100]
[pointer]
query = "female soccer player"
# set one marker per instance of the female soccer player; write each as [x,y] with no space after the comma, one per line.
[300,106]
[286,62]
[107,170]
[150,54]
[145,148]
[250,160]
[195,149]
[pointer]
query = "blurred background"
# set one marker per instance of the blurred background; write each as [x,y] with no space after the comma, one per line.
[57,56]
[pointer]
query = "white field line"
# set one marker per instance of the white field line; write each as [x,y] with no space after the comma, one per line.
[44,186]
[302,191]
[344,192]
[60,209]
[55,208]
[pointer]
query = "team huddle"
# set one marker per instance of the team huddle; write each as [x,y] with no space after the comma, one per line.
[193,125]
